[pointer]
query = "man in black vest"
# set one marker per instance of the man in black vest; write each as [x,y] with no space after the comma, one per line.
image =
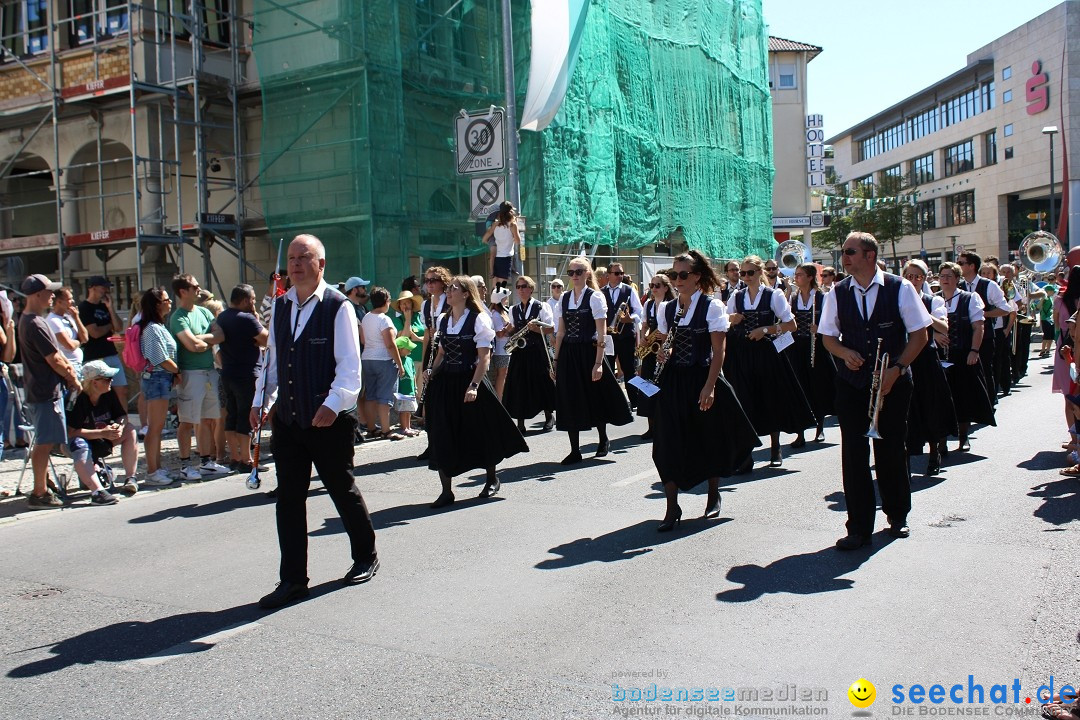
[313,368]
[616,292]
[867,308]
[995,307]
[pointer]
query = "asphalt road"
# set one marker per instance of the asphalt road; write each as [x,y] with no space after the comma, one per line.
[535,604]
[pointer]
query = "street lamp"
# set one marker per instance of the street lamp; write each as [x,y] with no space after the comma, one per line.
[1051,130]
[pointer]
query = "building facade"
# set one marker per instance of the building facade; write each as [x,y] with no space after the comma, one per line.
[970,152]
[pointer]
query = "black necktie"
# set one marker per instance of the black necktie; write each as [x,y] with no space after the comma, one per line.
[865,311]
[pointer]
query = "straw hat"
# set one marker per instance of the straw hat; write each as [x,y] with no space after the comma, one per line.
[405,295]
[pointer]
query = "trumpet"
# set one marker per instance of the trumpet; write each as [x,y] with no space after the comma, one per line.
[517,340]
[648,346]
[666,347]
[876,398]
[619,325]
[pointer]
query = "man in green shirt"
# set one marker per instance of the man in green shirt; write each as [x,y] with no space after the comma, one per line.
[197,393]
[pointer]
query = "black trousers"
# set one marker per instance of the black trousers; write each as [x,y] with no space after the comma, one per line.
[330,450]
[624,352]
[1023,349]
[890,454]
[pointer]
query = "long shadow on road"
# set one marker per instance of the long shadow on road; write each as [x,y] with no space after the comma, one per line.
[1061,501]
[623,544]
[403,515]
[248,499]
[806,574]
[137,639]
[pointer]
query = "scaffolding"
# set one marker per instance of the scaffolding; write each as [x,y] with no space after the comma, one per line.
[154,94]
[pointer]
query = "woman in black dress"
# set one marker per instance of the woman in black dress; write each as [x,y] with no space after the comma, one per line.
[659,293]
[761,375]
[529,386]
[587,395]
[932,415]
[965,373]
[462,407]
[702,432]
[813,365]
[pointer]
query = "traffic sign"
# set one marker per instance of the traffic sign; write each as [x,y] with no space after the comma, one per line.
[480,140]
[487,194]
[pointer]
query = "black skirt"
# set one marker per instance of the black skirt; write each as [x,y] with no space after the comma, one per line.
[970,396]
[689,445]
[818,381]
[580,403]
[646,406]
[467,436]
[766,386]
[932,415]
[529,389]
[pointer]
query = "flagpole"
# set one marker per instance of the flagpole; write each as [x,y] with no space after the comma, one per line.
[513,193]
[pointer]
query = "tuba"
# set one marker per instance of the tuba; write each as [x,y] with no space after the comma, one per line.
[790,255]
[1040,252]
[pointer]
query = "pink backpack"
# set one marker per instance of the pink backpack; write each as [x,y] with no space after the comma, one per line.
[132,354]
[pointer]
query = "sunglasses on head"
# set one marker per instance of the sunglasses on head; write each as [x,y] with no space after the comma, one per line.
[574,272]
[747,273]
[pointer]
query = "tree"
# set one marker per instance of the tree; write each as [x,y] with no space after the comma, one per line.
[885,211]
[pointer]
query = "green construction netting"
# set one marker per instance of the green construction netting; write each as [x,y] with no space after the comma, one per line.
[666,125]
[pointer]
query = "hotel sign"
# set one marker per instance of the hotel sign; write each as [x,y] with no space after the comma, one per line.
[815,151]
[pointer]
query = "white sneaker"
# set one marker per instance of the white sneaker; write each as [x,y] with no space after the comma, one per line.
[190,473]
[158,478]
[212,468]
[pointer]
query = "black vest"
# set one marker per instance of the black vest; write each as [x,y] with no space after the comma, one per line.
[306,364]
[753,319]
[522,318]
[692,345]
[805,318]
[459,351]
[650,314]
[430,313]
[621,295]
[580,325]
[861,335]
[960,328]
[981,287]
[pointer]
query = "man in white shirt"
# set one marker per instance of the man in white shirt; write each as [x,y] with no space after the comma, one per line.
[623,311]
[313,377]
[867,313]
[996,308]
[68,328]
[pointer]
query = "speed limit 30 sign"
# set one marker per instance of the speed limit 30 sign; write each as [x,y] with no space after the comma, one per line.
[480,138]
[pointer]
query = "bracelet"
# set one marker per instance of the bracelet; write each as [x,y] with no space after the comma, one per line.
[973,350]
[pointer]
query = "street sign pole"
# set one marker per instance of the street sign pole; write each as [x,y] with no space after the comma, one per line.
[512,190]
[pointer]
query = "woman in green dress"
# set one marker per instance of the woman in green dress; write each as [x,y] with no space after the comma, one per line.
[410,327]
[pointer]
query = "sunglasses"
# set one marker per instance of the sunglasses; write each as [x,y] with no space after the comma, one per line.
[850,251]
[574,272]
[616,272]
[656,286]
[456,287]
[962,262]
[770,269]
[431,280]
[683,274]
[522,287]
[747,273]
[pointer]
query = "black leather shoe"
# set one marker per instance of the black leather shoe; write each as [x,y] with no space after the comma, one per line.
[899,530]
[549,424]
[669,523]
[776,459]
[852,542]
[426,455]
[800,442]
[647,435]
[361,572]
[712,508]
[442,501]
[933,465]
[820,437]
[490,488]
[603,449]
[572,459]
[283,594]
[965,446]
[747,467]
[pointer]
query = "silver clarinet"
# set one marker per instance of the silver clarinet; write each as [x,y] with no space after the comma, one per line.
[665,348]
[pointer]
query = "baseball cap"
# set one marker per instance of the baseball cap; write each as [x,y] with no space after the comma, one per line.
[98,368]
[96,280]
[355,282]
[557,282]
[37,283]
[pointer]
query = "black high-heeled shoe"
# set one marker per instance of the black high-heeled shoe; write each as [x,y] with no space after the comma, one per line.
[776,459]
[747,467]
[491,488]
[521,426]
[572,459]
[820,437]
[603,449]
[800,442]
[712,507]
[933,464]
[442,501]
[669,524]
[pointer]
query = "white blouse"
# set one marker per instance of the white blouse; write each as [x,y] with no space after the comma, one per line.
[482,327]
[975,307]
[778,305]
[716,315]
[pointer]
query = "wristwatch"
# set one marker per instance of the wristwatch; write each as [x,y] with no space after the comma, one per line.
[474,386]
[901,367]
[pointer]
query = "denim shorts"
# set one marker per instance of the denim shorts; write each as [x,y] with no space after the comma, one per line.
[158,386]
[49,422]
[380,380]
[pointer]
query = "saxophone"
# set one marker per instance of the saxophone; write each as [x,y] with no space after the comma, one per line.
[666,347]
[648,346]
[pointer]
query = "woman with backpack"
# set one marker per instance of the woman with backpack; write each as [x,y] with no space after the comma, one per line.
[161,372]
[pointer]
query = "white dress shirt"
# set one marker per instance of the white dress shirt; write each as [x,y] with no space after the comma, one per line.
[778,304]
[346,386]
[598,305]
[975,306]
[995,298]
[610,293]
[912,311]
[716,315]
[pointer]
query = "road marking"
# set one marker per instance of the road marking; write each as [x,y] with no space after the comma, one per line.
[185,648]
[634,478]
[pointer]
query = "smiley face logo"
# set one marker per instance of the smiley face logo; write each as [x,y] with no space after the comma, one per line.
[862,693]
